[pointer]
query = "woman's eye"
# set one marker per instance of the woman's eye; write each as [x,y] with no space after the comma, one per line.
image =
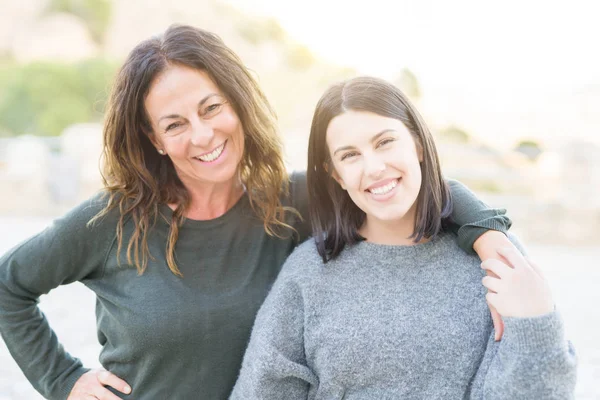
[212,109]
[172,126]
[348,155]
[384,142]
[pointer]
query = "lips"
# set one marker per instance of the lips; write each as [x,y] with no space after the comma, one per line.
[383,187]
[212,155]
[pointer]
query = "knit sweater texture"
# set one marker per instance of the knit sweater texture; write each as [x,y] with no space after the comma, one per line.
[168,337]
[397,322]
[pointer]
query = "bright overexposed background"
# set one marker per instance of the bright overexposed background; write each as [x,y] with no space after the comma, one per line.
[511,91]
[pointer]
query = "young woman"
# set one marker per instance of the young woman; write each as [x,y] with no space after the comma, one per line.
[383,304]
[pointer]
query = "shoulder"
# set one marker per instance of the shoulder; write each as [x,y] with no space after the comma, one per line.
[77,220]
[69,248]
[444,250]
[73,230]
[517,242]
[303,263]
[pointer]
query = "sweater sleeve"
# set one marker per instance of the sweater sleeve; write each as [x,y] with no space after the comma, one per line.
[274,366]
[65,252]
[473,217]
[532,361]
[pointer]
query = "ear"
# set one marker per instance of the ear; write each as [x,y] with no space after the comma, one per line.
[157,145]
[420,152]
[338,179]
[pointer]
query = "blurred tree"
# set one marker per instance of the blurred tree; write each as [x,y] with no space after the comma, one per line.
[256,31]
[409,84]
[45,98]
[95,13]
[529,148]
[299,56]
[455,134]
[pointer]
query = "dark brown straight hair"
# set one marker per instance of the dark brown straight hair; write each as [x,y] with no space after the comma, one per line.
[335,218]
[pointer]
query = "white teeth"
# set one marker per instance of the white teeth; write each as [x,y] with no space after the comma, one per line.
[213,155]
[385,189]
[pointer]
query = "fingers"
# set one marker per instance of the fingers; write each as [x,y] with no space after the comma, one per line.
[513,256]
[535,267]
[105,394]
[491,299]
[109,379]
[498,323]
[492,284]
[497,267]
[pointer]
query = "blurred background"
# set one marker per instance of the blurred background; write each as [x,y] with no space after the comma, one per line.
[511,91]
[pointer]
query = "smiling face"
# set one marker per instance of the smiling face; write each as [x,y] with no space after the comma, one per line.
[377,161]
[195,126]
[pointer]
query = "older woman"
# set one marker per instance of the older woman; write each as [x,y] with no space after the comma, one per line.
[196,218]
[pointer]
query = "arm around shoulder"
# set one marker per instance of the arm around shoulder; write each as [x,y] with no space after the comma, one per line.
[473,217]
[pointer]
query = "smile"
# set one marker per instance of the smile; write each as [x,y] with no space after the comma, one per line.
[385,188]
[213,155]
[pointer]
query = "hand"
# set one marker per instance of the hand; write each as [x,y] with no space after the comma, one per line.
[520,291]
[91,385]
[485,247]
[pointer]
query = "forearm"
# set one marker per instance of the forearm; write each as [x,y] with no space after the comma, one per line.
[35,347]
[65,252]
[473,217]
[488,243]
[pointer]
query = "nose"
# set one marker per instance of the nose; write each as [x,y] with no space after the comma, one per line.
[202,133]
[374,166]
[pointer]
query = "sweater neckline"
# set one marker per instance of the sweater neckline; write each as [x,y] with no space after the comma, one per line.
[419,251]
[230,216]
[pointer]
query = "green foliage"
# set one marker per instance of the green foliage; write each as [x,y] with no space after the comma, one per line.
[299,56]
[530,148]
[95,13]
[262,30]
[45,98]
[486,186]
[455,134]
[409,84]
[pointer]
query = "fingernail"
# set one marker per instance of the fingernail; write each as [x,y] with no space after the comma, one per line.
[127,390]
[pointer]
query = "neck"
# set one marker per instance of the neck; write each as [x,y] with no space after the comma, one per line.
[394,233]
[212,200]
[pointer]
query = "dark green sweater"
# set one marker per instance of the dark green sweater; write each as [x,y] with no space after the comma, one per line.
[168,337]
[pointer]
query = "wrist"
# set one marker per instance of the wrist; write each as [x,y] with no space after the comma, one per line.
[487,244]
[535,334]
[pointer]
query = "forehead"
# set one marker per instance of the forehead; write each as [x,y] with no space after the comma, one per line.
[353,127]
[178,85]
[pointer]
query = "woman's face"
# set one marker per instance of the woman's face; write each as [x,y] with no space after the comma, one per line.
[376,160]
[195,126]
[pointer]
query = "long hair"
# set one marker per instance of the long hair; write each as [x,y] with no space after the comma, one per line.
[137,179]
[335,218]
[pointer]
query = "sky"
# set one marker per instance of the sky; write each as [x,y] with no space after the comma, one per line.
[512,57]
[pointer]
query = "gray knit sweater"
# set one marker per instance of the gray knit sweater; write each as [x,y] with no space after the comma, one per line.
[397,322]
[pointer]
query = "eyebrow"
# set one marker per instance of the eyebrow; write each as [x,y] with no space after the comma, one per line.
[373,139]
[200,104]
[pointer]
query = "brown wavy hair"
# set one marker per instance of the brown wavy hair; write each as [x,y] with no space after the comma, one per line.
[335,218]
[138,180]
